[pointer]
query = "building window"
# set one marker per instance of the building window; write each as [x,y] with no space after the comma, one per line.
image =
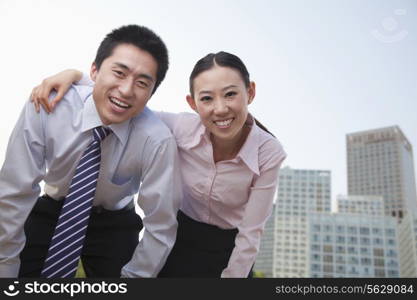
[328,258]
[315,267]
[353,260]
[377,241]
[328,268]
[340,249]
[316,257]
[352,250]
[378,252]
[327,248]
[352,230]
[340,259]
[328,238]
[315,247]
[352,240]
[379,262]
[379,272]
[340,239]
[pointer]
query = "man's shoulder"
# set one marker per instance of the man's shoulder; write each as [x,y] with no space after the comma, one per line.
[76,94]
[79,92]
[148,124]
[71,104]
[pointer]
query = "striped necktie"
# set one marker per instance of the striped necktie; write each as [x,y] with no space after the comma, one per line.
[68,239]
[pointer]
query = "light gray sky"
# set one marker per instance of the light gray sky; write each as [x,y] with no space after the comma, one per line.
[323,68]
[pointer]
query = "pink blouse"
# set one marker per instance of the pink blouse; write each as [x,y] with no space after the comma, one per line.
[236,193]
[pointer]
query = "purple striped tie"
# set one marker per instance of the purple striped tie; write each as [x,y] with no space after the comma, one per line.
[68,239]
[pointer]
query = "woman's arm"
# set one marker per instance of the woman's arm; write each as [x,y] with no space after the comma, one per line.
[170,119]
[258,209]
[60,82]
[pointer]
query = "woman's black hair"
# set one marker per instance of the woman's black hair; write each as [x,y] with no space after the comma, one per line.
[223,59]
[260,125]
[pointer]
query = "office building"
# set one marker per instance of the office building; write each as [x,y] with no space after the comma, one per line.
[380,163]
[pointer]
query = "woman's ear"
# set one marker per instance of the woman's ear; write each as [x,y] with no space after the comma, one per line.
[93,71]
[191,102]
[251,91]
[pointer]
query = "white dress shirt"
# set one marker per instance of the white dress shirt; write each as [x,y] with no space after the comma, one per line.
[140,156]
[236,193]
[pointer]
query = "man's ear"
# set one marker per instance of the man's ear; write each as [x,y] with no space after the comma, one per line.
[93,71]
[251,91]
[191,102]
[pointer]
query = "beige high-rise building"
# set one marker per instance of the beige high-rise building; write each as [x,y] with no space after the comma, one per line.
[408,245]
[264,261]
[300,192]
[380,163]
[365,205]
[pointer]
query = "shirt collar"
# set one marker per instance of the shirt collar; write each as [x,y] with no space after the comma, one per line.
[91,119]
[249,152]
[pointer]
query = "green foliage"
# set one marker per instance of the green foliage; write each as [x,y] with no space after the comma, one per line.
[258,274]
[80,271]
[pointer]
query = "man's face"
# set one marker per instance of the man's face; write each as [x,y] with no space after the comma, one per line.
[124,83]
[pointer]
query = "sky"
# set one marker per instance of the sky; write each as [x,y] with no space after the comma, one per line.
[322,68]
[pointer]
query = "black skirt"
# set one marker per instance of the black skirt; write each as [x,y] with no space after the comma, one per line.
[201,250]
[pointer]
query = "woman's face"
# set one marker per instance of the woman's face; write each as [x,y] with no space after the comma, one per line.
[221,99]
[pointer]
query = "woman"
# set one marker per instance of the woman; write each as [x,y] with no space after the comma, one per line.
[229,169]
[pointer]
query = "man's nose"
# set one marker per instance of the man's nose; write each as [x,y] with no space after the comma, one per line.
[126,88]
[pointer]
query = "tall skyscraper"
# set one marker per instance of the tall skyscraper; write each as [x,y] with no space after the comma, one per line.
[264,261]
[299,193]
[380,162]
[408,245]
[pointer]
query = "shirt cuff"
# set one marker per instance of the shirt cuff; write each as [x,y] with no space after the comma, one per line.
[9,270]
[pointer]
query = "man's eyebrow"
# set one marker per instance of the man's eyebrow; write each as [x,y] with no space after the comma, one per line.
[143,75]
[123,66]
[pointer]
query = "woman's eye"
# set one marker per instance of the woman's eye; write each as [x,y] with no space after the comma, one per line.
[230,94]
[205,98]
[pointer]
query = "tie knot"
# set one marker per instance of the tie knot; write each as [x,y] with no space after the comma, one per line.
[100,133]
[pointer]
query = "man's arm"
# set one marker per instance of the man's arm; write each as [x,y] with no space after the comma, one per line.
[23,169]
[159,197]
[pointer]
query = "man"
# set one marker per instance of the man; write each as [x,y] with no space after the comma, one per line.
[87,210]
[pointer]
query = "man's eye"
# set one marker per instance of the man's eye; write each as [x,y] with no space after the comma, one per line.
[118,73]
[142,83]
